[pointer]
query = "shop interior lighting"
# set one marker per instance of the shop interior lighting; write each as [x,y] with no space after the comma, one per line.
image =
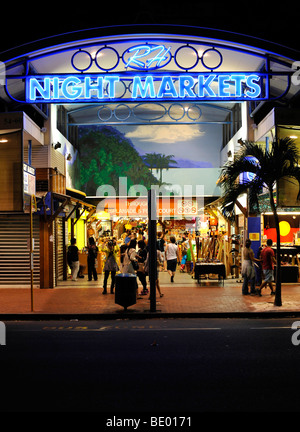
[3,140]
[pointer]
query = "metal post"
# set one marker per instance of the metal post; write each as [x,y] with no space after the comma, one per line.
[65,266]
[31,253]
[267,144]
[29,152]
[152,247]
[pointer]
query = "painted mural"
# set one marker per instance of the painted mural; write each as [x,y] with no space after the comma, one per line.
[289,226]
[169,156]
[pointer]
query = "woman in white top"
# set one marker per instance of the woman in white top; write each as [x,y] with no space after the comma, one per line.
[130,254]
[172,255]
[248,271]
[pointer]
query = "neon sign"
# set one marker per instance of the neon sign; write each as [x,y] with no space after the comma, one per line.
[147,56]
[104,87]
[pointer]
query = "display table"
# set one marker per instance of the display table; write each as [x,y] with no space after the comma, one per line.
[289,273]
[83,262]
[287,250]
[210,268]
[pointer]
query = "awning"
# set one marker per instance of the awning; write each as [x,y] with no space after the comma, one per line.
[55,205]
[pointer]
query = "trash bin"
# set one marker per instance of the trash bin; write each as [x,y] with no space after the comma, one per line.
[125,290]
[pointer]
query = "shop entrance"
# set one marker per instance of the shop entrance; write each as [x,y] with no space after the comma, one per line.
[163,110]
[117,162]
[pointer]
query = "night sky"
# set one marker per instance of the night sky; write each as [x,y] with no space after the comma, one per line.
[263,20]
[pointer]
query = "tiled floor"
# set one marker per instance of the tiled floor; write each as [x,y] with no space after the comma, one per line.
[184,296]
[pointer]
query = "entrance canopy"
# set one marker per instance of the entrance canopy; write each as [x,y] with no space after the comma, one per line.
[148,78]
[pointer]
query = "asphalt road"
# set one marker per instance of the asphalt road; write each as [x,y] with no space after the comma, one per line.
[152,366]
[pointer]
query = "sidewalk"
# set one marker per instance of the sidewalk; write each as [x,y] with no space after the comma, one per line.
[183,298]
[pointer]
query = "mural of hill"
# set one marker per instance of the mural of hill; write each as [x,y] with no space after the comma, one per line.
[187,163]
[182,163]
[104,155]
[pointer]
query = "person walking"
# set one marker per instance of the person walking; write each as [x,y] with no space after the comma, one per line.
[268,260]
[141,258]
[111,265]
[91,259]
[159,263]
[160,244]
[248,271]
[73,259]
[258,268]
[129,256]
[183,248]
[172,255]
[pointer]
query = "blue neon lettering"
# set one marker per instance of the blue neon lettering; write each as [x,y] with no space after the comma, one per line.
[238,79]
[204,86]
[167,88]
[142,52]
[55,88]
[161,56]
[111,85]
[224,85]
[137,55]
[143,90]
[100,87]
[90,86]
[35,86]
[185,86]
[69,90]
[253,86]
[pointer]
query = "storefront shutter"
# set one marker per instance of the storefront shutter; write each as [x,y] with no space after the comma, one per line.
[59,248]
[15,252]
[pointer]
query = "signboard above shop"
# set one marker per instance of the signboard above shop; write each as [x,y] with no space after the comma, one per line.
[138,207]
[135,69]
[29,182]
[149,81]
[99,88]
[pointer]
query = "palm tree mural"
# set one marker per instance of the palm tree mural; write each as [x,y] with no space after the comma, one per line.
[105,155]
[266,168]
[137,173]
[159,161]
[150,159]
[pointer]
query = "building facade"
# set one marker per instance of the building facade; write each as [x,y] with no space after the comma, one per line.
[88,125]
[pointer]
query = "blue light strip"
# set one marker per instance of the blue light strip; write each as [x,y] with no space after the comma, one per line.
[147,54]
[83,88]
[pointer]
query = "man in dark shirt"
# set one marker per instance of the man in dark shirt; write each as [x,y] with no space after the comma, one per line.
[268,259]
[73,259]
[160,245]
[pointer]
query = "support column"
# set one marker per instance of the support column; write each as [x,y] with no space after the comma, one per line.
[152,247]
[46,255]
